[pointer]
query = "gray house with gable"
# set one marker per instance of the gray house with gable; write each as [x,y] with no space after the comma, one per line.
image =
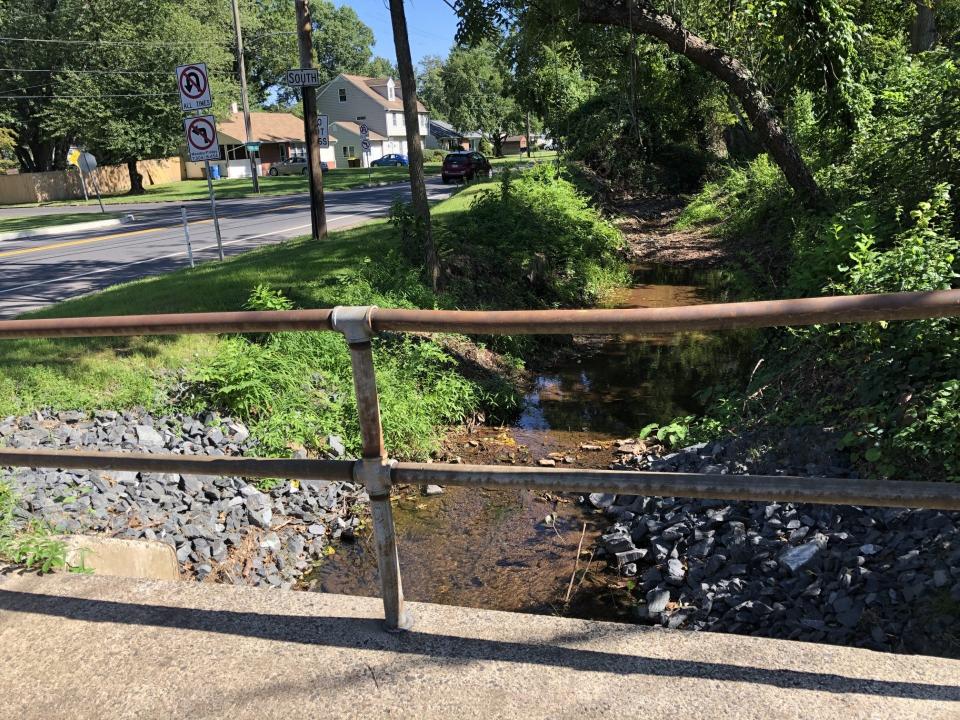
[377,102]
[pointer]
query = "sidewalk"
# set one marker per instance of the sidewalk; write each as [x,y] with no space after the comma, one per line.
[100,647]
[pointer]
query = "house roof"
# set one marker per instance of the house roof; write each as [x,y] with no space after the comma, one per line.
[367,84]
[266,127]
[354,128]
[441,129]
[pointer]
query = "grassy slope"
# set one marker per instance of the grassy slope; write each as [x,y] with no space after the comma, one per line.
[122,372]
[29,222]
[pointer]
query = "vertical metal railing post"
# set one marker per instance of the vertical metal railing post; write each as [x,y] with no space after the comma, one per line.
[374,470]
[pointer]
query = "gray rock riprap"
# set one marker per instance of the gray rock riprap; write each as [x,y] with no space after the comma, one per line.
[872,577]
[218,525]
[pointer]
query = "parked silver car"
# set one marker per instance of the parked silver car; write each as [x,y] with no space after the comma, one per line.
[294,166]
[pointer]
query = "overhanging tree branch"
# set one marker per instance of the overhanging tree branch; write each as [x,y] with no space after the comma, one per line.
[640,16]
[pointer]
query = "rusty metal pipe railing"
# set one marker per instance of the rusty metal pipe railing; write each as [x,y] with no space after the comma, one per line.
[378,474]
[829,491]
[767,313]
[302,469]
[374,470]
[171,324]
[766,488]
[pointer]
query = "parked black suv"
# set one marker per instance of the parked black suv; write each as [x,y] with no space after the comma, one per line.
[465,165]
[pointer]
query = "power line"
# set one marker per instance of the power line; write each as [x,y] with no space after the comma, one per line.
[151,43]
[82,97]
[108,72]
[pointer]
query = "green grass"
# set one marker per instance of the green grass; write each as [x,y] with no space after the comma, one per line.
[522,159]
[339,179]
[17,224]
[421,391]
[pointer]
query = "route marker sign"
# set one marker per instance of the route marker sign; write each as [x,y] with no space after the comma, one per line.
[303,77]
[322,131]
[201,132]
[194,86]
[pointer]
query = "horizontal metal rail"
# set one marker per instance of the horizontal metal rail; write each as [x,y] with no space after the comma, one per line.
[816,490]
[302,469]
[767,313]
[821,491]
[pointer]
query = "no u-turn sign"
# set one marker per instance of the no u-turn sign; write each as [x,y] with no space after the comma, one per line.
[194,86]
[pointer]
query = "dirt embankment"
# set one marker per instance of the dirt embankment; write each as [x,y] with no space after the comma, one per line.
[647,224]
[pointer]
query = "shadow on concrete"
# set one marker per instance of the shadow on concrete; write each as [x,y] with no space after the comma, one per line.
[354,633]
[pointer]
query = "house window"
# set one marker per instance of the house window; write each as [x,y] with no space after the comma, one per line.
[395,119]
[391,93]
[343,94]
[361,118]
[349,151]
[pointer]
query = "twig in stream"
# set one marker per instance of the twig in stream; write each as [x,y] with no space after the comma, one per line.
[576,565]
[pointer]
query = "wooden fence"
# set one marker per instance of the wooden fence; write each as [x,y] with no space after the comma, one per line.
[26,188]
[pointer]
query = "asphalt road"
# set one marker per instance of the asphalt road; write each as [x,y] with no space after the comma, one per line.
[35,272]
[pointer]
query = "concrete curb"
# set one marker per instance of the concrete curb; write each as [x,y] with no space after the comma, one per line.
[60,229]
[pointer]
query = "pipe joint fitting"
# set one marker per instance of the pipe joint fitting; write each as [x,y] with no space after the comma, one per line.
[354,322]
[375,474]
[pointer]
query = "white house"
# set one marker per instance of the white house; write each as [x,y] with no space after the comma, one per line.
[350,100]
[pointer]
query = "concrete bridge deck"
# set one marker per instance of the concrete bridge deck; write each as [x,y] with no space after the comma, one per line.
[101,647]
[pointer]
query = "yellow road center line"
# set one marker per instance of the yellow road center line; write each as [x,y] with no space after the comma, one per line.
[87,241]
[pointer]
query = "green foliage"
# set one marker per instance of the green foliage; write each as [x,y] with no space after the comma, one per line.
[891,387]
[673,434]
[913,142]
[295,388]
[35,546]
[475,83]
[342,43]
[533,241]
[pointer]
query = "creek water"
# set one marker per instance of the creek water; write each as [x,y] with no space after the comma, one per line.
[516,550]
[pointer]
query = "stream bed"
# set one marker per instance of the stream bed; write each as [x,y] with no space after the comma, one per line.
[516,549]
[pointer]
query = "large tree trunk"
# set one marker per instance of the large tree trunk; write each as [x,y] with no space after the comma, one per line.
[418,187]
[643,18]
[923,28]
[136,179]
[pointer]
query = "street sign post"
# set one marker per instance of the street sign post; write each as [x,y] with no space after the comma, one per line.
[86,164]
[365,147]
[323,137]
[303,77]
[200,130]
[194,85]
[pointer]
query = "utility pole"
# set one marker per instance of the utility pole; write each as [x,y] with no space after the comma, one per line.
[243,95]
[528,128]
[318,215]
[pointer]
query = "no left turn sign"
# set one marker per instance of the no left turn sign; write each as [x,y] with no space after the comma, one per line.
[201,134]
[194,86]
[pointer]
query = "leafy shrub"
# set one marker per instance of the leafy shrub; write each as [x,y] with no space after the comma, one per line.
[434,156]
[534,241]
[892,387]
[34,546]
[295,388]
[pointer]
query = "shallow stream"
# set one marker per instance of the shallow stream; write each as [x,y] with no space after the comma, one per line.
[516,550]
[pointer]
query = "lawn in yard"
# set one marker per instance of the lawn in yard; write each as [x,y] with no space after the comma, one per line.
[31,222]
[339,179]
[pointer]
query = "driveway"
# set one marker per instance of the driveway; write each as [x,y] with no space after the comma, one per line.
[35,272]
